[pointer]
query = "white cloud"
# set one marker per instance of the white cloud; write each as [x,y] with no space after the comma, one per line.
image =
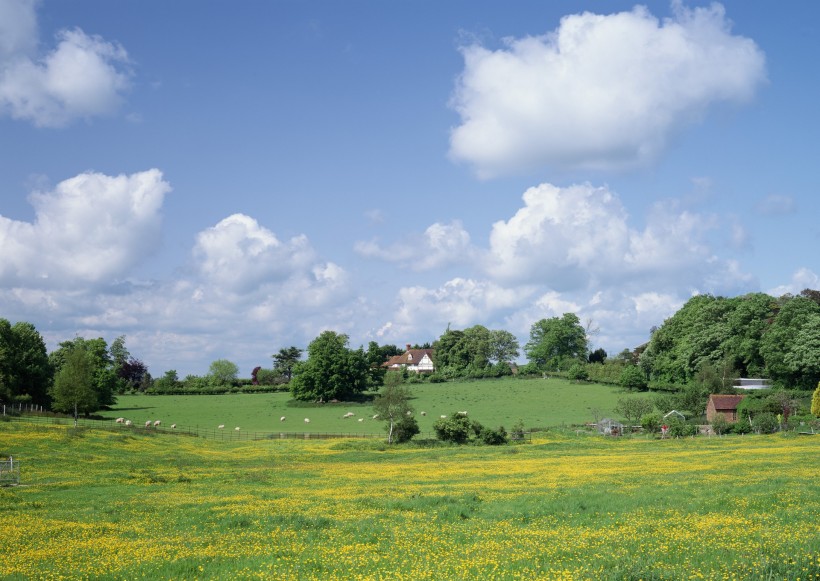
[803,278]
[82,77]
[599,92]
[91,228]
[776,205]
[440,245]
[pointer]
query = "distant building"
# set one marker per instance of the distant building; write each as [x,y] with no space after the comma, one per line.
[752,383]
[417,360]
[723,404]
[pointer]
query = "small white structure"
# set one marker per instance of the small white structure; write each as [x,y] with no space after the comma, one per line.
[752,383]
[674,414]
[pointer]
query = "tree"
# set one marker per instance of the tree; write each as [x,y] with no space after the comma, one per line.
[504,346]
[632,378]
[331,371]
[578,372]
[223,372]
[104,377]
[454,429]
[25,373]
[392,404]
[633,408]
[452,350]
[717,378]
[555,341]
[815,401]
[784,364]
[286,360]
[803,357]
[73,390]
[597,356]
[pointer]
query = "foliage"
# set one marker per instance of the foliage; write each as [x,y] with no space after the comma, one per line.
[578,372]
[376,355]
[503,347]
[680,429]
[404,429]
[651,422]
[765,423]
[332,370]
[104,377]
[392,404]
[633,378]
[597,356]
[556,341]
[497,437]
[286,359]
[455,428]
[633,408]
[784,340]
[270,377]
[25,372]
[815,401]
[222,372]
[717,377]
[73,390]
[720,425]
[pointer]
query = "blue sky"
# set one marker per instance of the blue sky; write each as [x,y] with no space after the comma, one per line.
[223,179]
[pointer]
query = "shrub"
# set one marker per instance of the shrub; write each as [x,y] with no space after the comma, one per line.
[494,437]
[680,429]
[765,423]
[405,429]
[740,427]
[436,378]
[720,425]
[454,429]
[578,372]
[517,432]
[633,378]
[651,423]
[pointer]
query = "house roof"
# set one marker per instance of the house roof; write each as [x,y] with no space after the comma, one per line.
[725,402]
[409,357]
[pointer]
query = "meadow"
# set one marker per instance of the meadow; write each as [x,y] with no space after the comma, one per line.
[538,403]
[106,504]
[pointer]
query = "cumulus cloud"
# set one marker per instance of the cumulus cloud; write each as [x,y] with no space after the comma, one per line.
[84,76]
[91,228]
[439,246]
[599,92]
[803,278]
[580,237]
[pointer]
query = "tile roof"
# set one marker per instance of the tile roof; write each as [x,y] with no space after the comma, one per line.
[726,402]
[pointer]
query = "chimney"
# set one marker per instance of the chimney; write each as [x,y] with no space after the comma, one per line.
[408,346]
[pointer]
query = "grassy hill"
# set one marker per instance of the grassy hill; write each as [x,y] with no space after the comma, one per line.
[536,402]
[116,505]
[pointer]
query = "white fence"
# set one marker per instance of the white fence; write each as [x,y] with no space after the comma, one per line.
[9,472]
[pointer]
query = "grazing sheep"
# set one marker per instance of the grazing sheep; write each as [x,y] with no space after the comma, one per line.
[148,424]
[424,413]
[443,417]
[282,419]
[348,415]
[409,413]
[236,428]
[462,413]
[221,426]
[361,419]
[157,423]
[128,422]
[173,426]
[120,420]
[376,417]
[307,420]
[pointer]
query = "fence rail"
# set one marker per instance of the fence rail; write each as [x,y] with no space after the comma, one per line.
[208,433]
[9,472]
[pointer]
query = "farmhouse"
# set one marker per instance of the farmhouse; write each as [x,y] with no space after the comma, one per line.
[418,360]
[723,404]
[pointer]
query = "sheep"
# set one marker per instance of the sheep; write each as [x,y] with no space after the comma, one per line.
[128,422]
[443,417]
[361,419]
[221,426]
[462,413]
[376,417]
[173,426]
[307,420]
[148,424]
[282,419]
[409,413]
[424,413]
[157,423]
[236,428]
[120,420]
[348,415]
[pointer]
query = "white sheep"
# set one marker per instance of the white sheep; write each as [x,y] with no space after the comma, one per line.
[221,426]
[157,423]
[307,420]
[120,420]
[376,417]
[148,424]
[409,413]
[424,413]
[282,419]
[236,428]
[462,413]
[348,415]
[361,419]
[443,417]
[128,422]
[173,426]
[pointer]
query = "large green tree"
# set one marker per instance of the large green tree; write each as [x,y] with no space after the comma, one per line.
[504,346]
[784,365]
[332,370]
[104,377]
[392,404]
[25,373]
[222,372]
[557,342]
[74,389]
[286,359]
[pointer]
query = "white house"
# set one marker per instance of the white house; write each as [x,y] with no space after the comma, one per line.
[418,360]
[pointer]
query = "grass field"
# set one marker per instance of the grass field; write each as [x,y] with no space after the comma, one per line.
[536,402]
[99,504]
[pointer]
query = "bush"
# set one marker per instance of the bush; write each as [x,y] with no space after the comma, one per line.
[651,423]
[454,429]
[517,433]
[436,378]
[741,426]
[633,378]
[405,429]
[720,425]
[578,372]
[494,437]
[765,423]
[680,429]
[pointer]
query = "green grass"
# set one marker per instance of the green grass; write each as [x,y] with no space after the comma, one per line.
[99,504]
[537,402]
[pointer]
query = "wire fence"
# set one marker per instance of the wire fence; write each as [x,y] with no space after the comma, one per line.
[224,434]
[9,472]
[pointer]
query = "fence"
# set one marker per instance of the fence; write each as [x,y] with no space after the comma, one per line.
[9,472]
[226,434]
[22,408]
